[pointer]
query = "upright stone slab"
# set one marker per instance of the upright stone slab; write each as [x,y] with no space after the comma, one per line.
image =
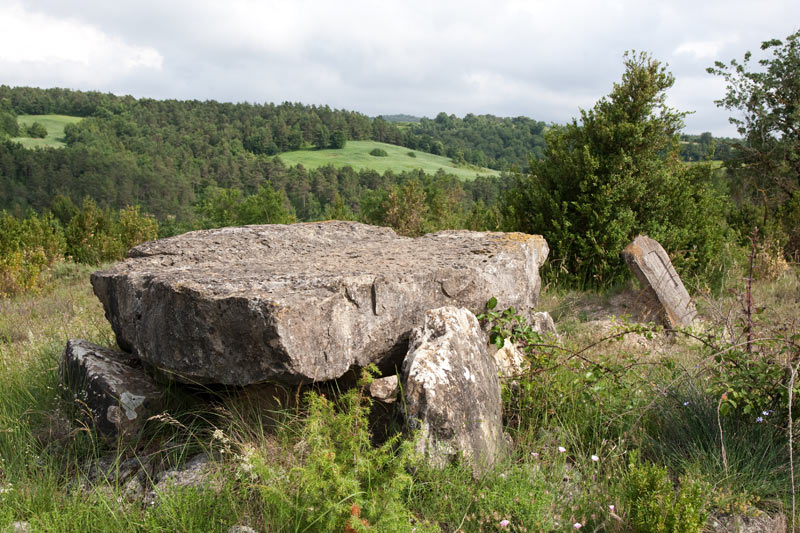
[452,392]
[652,267]
[111,384]
[303,302]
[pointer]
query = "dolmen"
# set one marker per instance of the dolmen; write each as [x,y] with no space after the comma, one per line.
[312,302]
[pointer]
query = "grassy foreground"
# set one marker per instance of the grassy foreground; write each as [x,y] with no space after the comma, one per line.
[608,435]
[357,155]
[55,130]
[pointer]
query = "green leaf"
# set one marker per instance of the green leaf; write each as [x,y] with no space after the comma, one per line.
[492,303]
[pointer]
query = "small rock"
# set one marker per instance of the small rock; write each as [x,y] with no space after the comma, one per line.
[385,389]
[509,360]
[452,392]
[241,529]
[762,523]
[193,473]
[117,391]
[19,527]
[543,323]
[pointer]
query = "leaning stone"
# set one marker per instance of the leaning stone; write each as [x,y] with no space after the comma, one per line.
[652,267]
[118,393]
[303,302]
[451,391]
[385,389]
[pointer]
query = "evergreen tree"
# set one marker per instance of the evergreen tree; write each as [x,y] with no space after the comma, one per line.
[613,175]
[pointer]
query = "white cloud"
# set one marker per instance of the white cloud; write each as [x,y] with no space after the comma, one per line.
[700,49]
[65,49]
[539,58]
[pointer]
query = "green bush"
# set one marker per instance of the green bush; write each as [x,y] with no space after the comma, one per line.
[342,479]
[97,235]
[27,247]
[378,152]
[650,504]
[37,131]
[412,154]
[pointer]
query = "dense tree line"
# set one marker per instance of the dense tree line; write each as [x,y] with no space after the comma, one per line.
[705,147]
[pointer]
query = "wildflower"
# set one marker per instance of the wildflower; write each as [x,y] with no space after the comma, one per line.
[685,404]
[595,458]
[577,525]
[561,449]
[760,419]
[534,455]
[504,523]
[611,508]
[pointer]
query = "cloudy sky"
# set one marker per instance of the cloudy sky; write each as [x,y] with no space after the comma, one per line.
[539,58]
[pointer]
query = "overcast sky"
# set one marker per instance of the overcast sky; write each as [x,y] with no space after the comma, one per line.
[542,59]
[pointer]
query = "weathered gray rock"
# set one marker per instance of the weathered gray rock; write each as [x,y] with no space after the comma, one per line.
[652,267]
[196,472]
[385,389]
[119,394]
[543,323]
[509,361]
[451,391]
[303,302]
[762,523]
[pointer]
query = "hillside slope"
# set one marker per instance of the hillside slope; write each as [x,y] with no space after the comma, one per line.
[357,155]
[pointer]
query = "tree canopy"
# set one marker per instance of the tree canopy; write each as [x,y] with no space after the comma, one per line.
[765,167]
[615,174]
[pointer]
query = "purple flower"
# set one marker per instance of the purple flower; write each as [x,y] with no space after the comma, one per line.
[504,523]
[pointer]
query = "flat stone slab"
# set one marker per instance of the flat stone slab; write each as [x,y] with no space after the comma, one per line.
[303,302]
[117,391]
[652,267]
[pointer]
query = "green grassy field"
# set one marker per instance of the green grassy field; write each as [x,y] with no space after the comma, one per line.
[356,155]
[55,130]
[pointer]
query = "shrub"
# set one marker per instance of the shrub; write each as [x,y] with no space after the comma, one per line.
[341,479]
[412,154]
[649,502]
[37,131]
[27,247]
[378,152]
[97,235]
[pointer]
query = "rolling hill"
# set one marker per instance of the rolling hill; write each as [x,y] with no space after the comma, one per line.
[357,155]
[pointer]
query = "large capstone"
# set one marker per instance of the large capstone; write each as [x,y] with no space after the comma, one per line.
[303,302]
[451,391]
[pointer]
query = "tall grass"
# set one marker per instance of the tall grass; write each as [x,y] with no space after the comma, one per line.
[608,437]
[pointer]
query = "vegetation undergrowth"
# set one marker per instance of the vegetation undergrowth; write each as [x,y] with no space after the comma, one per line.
[607,433]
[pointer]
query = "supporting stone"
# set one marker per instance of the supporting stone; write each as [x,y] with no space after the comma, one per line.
[114,388]
[452,392]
